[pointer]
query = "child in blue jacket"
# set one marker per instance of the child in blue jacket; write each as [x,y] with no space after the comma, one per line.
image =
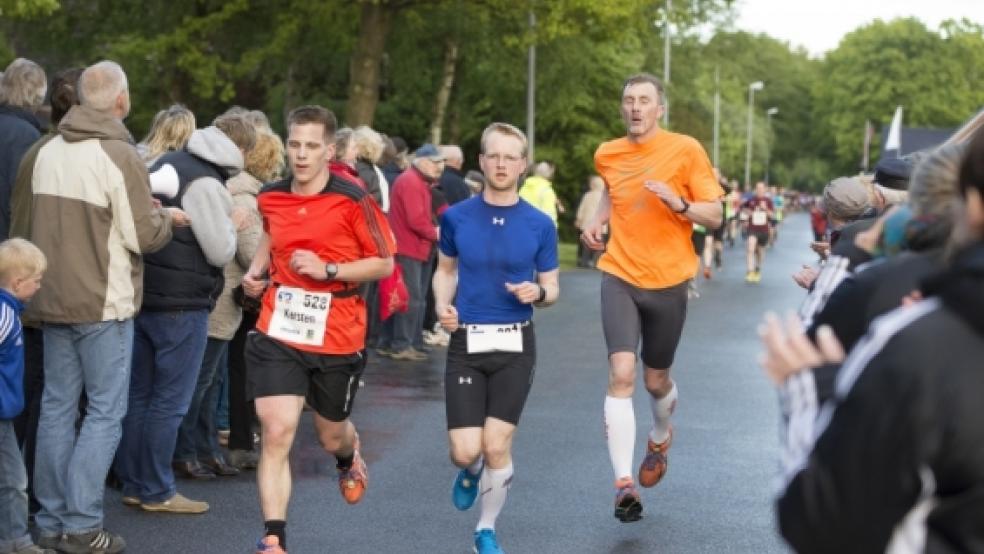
[21,266]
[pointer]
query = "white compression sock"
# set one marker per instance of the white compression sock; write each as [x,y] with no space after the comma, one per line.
[492,494]
[662,410]
[620,429]
[476,467]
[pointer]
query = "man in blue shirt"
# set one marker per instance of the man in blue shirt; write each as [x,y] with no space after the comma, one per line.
[499,254]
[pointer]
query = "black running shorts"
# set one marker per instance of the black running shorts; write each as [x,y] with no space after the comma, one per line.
[761,236]
[656,316]
[327,381]
[490,384]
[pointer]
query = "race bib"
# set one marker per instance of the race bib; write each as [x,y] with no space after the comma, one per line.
[759,218]
[495,338]
[300,316]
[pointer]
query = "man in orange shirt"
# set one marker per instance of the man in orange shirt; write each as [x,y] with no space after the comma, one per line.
[657,185]
[323,235]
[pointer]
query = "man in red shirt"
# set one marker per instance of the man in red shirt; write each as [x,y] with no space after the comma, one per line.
[760,212]
[411,216]
[322,236]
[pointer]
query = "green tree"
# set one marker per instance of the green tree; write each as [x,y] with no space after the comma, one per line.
[937,76]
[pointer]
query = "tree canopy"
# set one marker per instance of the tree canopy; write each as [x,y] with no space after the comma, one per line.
[443,69]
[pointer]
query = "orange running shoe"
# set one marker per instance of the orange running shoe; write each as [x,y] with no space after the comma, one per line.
[628,505]
[654,463]
[269,544]
[707,273]
[352,482]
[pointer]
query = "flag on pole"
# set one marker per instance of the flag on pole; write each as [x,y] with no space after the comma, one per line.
[894,140]
[869,132]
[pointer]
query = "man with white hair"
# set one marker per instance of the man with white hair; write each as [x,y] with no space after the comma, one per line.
[22,88]
[538,190]
[94,218]
[452,181]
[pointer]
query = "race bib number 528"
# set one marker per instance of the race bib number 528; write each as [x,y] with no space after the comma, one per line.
[300,316]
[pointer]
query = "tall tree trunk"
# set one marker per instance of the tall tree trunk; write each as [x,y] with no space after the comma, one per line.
[444,91]
[363,90]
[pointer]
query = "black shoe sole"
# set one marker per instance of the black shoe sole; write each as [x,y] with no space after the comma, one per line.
[629,510]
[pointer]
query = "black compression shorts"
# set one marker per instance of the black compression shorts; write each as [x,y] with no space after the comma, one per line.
[490,384]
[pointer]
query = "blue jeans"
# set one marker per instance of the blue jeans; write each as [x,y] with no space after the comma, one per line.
[222,402]
[13,492]
[70,473]
[406,327]
[167,357]
[196,437]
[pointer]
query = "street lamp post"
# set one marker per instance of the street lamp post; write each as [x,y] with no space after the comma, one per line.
[752,87]
[666,65]
[768,151]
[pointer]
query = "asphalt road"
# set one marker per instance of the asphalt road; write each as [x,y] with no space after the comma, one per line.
[715,498]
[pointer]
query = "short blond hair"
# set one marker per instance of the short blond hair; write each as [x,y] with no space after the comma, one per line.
[368,143]
[20,258]
[266,160]
[505,129]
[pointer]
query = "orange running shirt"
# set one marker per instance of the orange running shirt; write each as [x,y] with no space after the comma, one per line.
[340,224]
[650,245]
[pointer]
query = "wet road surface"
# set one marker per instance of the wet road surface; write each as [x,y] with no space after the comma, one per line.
[715,498]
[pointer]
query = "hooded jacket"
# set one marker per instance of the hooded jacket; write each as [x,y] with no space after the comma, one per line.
[187,273]
[19,129]
[898,464]
[93,217]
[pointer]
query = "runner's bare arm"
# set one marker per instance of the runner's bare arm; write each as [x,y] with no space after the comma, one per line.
[546,287]
[310,264]
[253,281]
[445,285]
[550,281]
[366,269]
[707,214]
[592,236]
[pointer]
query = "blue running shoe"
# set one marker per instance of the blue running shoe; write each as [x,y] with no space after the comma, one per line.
[465,490]
[485,542]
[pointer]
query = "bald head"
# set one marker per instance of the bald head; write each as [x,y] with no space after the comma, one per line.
[103,87]
[452,155]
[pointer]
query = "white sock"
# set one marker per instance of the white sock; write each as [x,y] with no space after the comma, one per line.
[662,410]
[620,429]
[476,468]
[492,494]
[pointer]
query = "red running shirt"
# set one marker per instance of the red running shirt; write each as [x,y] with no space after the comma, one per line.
[340,224]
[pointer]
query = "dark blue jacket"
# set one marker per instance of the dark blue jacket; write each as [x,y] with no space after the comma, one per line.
[19,130]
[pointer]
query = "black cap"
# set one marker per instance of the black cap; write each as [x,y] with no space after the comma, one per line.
[893,173]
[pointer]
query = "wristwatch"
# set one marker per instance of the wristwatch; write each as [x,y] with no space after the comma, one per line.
[686,206]
[331,270]
[543,294]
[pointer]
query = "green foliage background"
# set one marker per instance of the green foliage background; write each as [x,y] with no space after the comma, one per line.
[273,55]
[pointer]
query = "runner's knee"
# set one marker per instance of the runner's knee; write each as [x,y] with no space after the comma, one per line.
[465,450]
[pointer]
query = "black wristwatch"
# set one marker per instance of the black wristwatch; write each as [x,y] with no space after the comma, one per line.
[686,206]
[331,270]
[543,294]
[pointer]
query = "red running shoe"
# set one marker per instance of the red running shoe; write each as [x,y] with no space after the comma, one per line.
[654,463]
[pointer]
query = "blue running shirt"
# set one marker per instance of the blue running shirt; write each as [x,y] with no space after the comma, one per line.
[496,245]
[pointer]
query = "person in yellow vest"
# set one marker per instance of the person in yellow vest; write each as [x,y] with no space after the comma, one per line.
[538,190]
